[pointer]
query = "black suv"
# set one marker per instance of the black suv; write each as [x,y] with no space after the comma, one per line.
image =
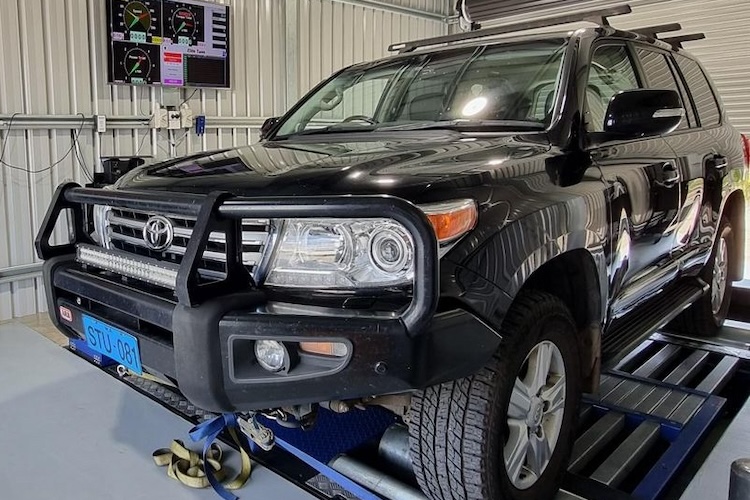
[464,235]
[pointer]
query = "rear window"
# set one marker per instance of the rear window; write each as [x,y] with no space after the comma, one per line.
[698,86]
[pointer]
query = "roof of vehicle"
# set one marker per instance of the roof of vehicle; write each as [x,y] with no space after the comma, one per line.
[588,32]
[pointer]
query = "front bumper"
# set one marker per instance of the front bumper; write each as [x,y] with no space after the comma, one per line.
[203,335]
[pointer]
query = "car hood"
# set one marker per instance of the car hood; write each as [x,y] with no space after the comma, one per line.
[401,165]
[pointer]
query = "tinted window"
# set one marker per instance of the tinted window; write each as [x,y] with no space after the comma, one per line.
[659,74]
[700,89]
[611,72]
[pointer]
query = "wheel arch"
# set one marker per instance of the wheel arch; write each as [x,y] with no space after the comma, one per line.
[734,210]
[578,277]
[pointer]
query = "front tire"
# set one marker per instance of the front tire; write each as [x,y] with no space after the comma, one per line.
[507,431]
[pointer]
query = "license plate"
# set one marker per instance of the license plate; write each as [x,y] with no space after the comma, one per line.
[113,343]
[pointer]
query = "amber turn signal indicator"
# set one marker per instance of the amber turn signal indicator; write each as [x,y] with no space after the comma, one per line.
[336,349]
[451,219]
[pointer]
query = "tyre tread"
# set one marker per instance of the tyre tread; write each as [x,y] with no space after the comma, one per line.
[446,421]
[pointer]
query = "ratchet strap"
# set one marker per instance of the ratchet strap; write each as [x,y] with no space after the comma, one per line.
[261,437]
[196,471]
[210,429]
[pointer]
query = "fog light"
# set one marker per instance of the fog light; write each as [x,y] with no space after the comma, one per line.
[336,349]
[272,355]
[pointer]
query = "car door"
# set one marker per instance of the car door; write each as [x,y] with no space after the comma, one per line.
[692,148]
[703,157]
[645,187]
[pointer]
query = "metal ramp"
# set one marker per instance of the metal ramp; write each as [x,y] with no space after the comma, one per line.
[650,415]
[651,412]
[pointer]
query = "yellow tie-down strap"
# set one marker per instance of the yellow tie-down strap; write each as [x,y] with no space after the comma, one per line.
[187,466]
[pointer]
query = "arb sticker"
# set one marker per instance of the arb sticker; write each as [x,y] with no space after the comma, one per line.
[66,314]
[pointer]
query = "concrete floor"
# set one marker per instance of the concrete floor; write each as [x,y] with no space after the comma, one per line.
[712,479]
[69,424]
[70,431]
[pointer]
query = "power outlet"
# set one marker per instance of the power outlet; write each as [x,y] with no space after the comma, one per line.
[174,120]
[101,124]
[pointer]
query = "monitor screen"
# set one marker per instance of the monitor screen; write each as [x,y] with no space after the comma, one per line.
[172,43]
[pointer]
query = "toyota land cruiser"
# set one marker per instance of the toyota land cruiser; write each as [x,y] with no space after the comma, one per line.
[468,231]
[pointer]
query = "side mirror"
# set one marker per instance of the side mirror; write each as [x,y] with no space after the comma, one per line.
[643,113]
[267,126]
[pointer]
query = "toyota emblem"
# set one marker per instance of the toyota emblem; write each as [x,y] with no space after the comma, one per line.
[158,233]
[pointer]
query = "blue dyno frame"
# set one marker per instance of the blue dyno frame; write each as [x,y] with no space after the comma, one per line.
[683,440]
[342,433]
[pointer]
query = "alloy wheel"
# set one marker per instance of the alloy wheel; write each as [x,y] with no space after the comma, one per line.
[535,415]
[720,276]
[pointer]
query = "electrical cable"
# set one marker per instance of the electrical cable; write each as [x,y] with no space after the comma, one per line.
[82,163]
[188,98]
[143,141]
[179,141]
[158,145]
[7,134]
[146,98]
[46,169]
[80,158]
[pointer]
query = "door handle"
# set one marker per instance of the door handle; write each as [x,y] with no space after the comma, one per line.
[670,177]
[719,163]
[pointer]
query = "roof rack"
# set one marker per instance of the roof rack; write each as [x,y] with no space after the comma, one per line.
[677,41]
[593,16]
[674,41]
[652,31]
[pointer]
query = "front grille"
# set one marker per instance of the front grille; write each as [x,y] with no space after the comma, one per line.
[125,232]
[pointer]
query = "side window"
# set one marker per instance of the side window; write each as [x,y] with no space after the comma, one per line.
[698,86]
[658,74]
[611,72]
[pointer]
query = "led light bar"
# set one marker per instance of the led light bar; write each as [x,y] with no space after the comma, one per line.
[140,268]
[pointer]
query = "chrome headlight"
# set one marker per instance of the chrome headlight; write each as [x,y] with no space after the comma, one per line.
[342,253]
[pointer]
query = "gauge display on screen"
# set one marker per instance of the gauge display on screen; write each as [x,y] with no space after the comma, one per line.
[137,20]
[175,43]
[137,64]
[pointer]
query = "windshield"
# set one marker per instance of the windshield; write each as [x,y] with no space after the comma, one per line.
[511,85]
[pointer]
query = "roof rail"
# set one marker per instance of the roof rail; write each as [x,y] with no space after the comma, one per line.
[652,31]
[593,16]
[677,41]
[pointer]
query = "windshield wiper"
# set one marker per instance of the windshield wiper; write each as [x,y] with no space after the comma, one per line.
[467,125]
[338,128]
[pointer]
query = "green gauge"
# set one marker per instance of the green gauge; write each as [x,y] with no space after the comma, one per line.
[137,17]
[183,22]
[137,64]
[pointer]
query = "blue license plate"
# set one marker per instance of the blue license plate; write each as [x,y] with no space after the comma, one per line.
[113,343]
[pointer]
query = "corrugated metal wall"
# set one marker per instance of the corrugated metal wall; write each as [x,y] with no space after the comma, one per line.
[53,59]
